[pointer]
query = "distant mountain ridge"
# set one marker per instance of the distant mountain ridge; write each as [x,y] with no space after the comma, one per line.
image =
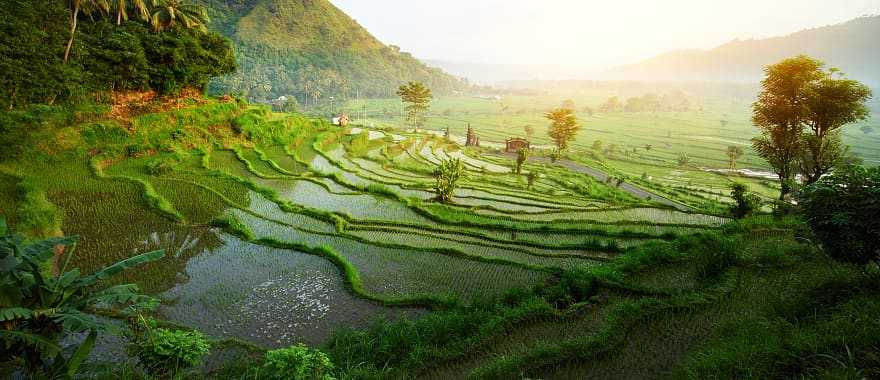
[493,73]
[852,46]
[313,50]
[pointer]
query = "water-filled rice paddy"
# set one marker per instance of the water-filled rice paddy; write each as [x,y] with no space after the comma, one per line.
[273,297]
[323,239]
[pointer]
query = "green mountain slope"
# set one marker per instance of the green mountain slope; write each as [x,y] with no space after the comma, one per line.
[312,50]
[852,46]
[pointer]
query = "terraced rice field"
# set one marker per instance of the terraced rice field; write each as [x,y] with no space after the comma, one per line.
[321,233]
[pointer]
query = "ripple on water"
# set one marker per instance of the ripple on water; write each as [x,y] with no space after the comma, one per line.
[268,296]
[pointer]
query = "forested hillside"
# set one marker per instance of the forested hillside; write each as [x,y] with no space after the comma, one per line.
[851,46]
[106,53]
[311,49]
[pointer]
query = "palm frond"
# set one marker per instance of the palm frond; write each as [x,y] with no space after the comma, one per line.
[46,246]
[81,353]
[10,313]
[77,321]
[121,266]
[42,344]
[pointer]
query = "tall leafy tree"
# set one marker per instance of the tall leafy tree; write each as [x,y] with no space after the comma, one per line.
[168,14]
[798,94]
[833,102]
[563,126]
[733,154]
[780,113]
[418,98]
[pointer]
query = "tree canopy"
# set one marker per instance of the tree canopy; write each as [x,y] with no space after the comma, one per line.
[417,98]
[103,56]
[842,210]
[798,94]
[563,126]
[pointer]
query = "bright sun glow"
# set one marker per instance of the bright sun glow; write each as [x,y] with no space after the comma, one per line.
[585,33]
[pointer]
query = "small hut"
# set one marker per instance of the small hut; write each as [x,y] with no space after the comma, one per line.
[341,120]
[516,144]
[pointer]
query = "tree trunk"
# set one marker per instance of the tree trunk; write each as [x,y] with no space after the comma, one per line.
[784,187]
[72,32]
[119,18]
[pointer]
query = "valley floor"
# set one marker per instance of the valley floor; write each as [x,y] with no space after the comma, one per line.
[280,229]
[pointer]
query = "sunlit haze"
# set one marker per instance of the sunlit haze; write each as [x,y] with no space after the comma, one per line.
[585,33]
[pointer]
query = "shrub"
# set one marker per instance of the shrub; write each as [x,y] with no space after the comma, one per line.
[683,159]
[521,157]
[573,286]
[746,202]
[164,352]
[447,175]
[297,363]
[161,166]
[842,211]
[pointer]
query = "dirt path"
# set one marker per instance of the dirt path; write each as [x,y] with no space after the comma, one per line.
[602,176]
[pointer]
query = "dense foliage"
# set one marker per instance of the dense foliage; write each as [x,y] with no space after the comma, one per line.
[842,209]
[297,363]
[563,126]
[104,56]
[521,157]
[673,101]
[446,176]
[745,203]
[312,51]
[417,98]
[164,352]
[41,302]
[799,111]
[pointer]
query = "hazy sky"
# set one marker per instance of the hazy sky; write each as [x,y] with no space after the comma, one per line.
[585,33]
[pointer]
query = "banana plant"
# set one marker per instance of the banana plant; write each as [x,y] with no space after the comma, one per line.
[39,307]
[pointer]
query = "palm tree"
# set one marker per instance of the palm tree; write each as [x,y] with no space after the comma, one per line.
[169,13]
[734,153]
[122,11]
[87,7]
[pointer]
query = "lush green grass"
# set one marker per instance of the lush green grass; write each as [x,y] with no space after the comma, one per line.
[698,132]
[570,277]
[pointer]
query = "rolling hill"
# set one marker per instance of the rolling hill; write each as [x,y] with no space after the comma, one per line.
[852,46]
[313,50]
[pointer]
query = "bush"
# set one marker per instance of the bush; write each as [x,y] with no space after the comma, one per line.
[746,202]
[164,352]
[447,175]
[297,363]
[574,286]
[842,210]
[161,166]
